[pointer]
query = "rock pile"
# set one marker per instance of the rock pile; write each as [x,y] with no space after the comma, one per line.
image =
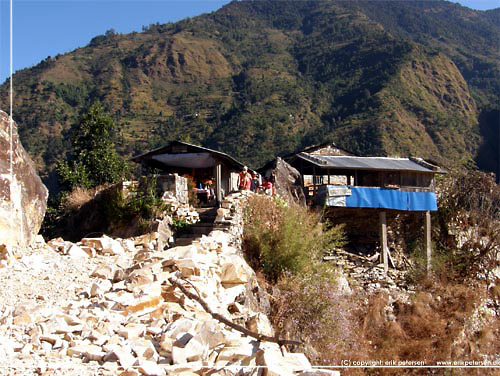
[128,316]
[368,273]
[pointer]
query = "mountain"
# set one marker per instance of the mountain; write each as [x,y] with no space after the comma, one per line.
[261,78]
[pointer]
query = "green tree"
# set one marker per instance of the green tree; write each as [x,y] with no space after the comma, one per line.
[94,160]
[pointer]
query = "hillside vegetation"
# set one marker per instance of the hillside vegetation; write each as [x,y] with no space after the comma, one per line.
[261,78]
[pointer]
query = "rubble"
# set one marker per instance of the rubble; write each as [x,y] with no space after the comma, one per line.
[115,309]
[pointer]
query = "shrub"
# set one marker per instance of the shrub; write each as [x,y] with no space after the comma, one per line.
[141,201]
[429,327]
[311,307]
[469,221]
[78,197]
[280,238]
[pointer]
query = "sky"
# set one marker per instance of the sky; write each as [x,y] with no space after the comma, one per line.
[44,28]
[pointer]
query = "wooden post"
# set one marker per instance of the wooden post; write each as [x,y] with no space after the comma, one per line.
[383,241]
[428,245]
[218,183]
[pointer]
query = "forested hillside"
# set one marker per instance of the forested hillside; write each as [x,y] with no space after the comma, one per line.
[261,78]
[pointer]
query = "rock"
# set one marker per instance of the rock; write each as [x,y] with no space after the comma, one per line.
[23,197]
[150,368]
[76,252]
[82,349]
[260,323]
[144,349]
[104,272]
[132,330]
[297,361]
[121,354]
[274,362]
[6,254]
[94,354]
[234,270]
[209,334]
[104,245]
[182,325]
[101,287]
[286,180]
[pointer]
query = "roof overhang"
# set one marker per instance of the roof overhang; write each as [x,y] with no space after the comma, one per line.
[370,163]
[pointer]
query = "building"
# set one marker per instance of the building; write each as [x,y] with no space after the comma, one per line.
[335,178]
[205,167]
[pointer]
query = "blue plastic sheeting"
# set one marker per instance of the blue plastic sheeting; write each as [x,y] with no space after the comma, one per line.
[389,199]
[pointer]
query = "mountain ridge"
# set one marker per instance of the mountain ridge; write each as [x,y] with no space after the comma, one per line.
[257,79]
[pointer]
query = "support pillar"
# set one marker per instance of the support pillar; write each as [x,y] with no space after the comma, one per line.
[428,244]
[384,249]
[218,183]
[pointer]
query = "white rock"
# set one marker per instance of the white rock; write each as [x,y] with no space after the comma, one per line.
[100,288]
[121,354]
[104,272]
[104,245]
[150,368]
[235,270]
[297,361]
[196,350]
[77,253]
[260,323]
[182,325]
[132,330]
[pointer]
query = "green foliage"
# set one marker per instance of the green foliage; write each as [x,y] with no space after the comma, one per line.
[180,225]
[279,239]
[94,160]
[278,76]
[141,201]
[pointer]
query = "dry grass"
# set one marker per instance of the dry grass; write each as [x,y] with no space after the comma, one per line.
[431,327]
[78,197]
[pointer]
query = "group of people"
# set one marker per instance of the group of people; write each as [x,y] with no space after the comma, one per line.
[253,182]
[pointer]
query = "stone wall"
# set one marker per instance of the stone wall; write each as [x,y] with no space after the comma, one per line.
[175,184]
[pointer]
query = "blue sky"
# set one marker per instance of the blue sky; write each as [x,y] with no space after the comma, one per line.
[46,28]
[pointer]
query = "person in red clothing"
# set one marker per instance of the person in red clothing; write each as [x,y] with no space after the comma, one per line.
[245,180]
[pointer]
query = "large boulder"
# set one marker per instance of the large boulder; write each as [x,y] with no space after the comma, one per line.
[23,197]
[286,180]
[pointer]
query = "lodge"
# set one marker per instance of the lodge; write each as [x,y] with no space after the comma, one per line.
[212,172]
[336,178]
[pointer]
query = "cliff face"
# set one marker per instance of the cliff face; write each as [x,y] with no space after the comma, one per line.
[23,197]
[256,79]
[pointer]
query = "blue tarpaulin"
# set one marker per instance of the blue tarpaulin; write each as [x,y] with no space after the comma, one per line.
[381,199]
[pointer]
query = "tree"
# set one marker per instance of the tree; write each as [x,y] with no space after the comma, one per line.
[94,160]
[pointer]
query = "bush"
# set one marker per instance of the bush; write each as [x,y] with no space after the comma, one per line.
[314,309]
[431,326]
[469,222]
[280,238]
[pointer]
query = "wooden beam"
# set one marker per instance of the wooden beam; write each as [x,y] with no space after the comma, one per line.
[428,244]
[383,241]
[218,183]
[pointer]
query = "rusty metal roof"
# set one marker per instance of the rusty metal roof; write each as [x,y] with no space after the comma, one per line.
[371,163]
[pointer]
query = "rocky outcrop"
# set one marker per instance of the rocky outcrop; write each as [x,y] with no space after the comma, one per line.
[23,197]
[286,180]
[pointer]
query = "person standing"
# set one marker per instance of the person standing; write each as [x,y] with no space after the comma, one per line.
[245,179]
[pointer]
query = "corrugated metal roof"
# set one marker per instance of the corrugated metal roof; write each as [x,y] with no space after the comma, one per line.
[365,163]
